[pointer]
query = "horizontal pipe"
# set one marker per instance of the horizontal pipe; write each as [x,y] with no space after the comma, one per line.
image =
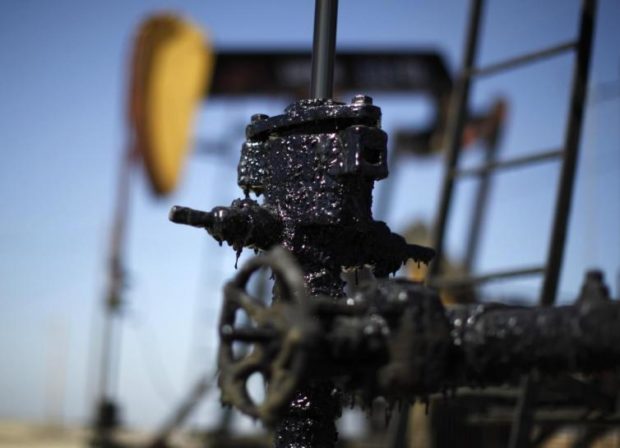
[510,163]
[447,282]
[522,60]
[497,344]
[191,217]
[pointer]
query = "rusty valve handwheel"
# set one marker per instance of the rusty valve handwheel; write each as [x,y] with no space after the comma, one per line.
[275,334]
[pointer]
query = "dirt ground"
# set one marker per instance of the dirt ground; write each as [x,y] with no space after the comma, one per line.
[29,435]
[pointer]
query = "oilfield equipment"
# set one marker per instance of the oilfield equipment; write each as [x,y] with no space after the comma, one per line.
[321,343]
[316,347]
[169,71]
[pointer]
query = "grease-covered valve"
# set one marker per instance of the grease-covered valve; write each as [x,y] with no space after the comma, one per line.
[315,168]
[394,339]
[391,340]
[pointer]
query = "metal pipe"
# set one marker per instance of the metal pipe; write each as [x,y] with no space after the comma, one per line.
[480,207]
[107,407]
[324,48]
[516,162]
[200,389]
[523,59]
[571,147]
[471,280]
[498,343]
[458,111]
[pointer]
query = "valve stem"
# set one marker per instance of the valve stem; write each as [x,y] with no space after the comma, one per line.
[324,48]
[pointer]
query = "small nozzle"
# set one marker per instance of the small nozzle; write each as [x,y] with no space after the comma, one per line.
[190,217]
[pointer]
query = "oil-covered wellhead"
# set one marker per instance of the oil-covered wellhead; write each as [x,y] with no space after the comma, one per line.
[314,167]
[316,163]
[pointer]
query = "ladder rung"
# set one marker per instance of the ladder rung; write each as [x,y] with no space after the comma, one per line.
[443,282]
[523,59]
[510,163]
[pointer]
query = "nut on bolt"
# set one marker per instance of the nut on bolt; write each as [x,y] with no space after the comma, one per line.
[361,100]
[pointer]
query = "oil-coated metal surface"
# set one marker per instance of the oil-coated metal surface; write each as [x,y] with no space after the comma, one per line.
[315,168]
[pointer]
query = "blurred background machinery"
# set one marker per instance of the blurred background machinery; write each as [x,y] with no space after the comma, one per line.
[469,124]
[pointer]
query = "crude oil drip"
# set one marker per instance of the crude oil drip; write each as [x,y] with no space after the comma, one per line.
[315,166]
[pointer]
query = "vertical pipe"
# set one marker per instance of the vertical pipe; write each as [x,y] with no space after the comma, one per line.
[324,48]
[522,424]
[110,344]
[458,112]
[480,207]
[106,346]
[309,420]
[571,148]
[523,418]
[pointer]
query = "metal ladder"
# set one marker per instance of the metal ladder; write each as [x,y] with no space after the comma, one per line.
[523,418]
[567,155]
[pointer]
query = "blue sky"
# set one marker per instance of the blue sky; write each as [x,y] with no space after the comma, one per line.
[62,128]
